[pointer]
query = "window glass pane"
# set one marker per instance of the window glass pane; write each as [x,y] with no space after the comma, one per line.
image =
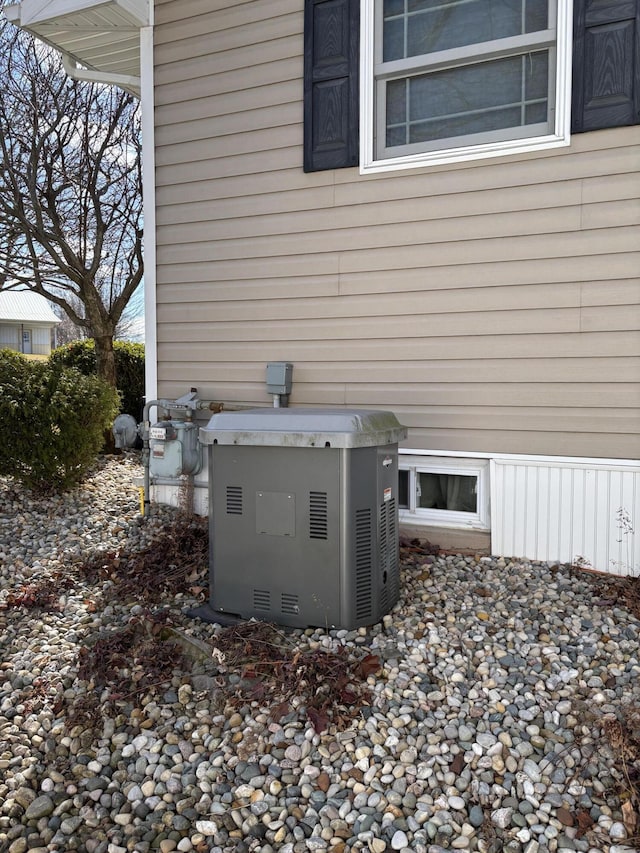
[397,102]
[403,489]
[536,113]
[434,25]
[396,136]
[393,7]
[536,16]
[393,47]
[478,98]
[453,492]
[535,76]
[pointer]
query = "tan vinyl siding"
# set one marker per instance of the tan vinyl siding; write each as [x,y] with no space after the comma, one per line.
[494,306]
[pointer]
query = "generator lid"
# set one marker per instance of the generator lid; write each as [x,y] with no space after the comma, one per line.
[304,428]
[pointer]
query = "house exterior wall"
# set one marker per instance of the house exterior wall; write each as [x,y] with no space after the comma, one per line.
[493,305]
[11,337]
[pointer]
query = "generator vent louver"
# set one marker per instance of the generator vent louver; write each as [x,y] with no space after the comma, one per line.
[388,535]
[363,564]
[234,500]
[318,518]
[384,597]
[394,556]
[261,599]
[289,603]
[389,552]
[384,536]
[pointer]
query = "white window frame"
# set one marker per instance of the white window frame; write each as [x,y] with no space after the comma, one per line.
[414,514]
[370,162]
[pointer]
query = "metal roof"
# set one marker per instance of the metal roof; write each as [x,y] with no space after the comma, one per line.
[22,306]
[102,36]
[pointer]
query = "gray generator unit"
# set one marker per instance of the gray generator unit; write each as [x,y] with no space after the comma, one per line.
[303,516]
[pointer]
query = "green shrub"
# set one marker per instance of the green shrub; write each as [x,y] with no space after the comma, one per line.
[52,422]
[78,354]
[130,377]
[12,365]
[129,369]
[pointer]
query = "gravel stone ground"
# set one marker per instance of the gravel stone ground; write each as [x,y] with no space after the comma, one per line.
[486,731]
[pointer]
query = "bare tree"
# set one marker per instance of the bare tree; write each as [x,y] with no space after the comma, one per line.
[70,190]
[131,324]
[67,331]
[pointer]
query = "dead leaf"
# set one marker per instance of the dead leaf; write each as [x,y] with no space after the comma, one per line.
[585,822]
[279,711]
[629,817]
[369,665]
[348,697]
[319,720]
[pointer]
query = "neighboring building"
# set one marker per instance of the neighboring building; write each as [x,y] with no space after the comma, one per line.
[422,212]
[27,323]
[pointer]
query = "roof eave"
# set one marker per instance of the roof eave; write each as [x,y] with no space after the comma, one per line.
[102,36]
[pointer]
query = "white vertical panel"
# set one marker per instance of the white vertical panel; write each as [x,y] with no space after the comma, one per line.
[532,511]
[624,544]
[606,508]
[41,340]
[10,336]
[165,494]
[562,511]
[149,208]
[579,488]
[552,521]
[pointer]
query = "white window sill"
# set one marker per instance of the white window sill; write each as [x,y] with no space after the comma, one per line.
[441,518]
[462,155]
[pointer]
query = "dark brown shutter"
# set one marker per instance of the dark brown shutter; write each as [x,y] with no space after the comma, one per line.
[331,57]
[606,64]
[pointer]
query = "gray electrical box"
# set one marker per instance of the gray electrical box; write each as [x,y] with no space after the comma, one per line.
[279,376]
[303,515]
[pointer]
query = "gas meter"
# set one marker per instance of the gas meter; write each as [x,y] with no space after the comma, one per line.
[174,449]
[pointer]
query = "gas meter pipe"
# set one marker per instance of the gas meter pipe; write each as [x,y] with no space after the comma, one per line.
[146,426]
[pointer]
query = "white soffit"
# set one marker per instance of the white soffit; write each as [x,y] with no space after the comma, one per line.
[103,36]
